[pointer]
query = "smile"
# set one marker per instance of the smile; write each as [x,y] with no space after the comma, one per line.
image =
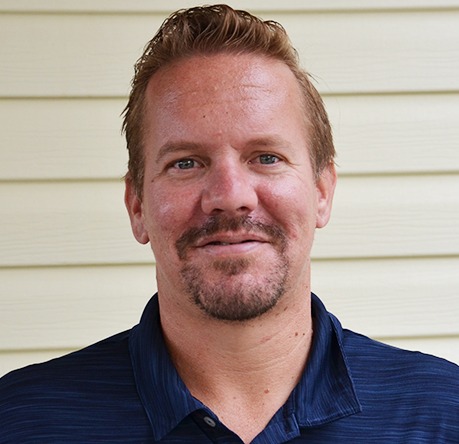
[229,239]
[230,243]
[224,245]
[222,236]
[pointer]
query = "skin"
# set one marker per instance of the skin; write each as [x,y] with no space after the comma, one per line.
[225,142]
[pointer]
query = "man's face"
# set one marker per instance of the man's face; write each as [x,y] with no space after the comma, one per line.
[229,201]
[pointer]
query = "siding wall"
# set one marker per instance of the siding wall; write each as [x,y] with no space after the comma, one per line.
[387,265]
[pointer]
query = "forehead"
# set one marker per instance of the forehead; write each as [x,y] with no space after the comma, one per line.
[224,100]
[222,77]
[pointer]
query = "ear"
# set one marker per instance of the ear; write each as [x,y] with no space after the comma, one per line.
[325,185]
[135,210]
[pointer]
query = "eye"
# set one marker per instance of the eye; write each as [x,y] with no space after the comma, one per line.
[268,159]
[184,164]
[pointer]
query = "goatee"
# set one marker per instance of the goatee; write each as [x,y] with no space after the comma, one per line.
[235,297]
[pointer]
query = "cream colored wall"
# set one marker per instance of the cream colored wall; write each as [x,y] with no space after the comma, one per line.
[387,265]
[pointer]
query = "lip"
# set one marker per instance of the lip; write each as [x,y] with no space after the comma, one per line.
[230,243]
[228,239]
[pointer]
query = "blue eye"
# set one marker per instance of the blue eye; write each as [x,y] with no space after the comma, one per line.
[185,164]
[268,159]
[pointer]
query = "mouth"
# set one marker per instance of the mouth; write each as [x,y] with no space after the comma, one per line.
[224,244]
[223,236]
[228,239]
[230,244]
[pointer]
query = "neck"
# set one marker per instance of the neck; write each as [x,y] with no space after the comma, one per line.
[243,371]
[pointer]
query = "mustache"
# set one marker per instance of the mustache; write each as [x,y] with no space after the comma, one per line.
[224,224]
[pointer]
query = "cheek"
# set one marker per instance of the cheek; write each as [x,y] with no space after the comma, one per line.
[293,206]
[169,213]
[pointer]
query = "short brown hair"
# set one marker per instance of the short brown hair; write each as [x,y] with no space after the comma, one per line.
[211,30]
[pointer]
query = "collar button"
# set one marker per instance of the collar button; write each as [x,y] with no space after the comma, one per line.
[209,421]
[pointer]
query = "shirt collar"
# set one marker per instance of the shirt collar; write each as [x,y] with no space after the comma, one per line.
[325,391]
[165,397]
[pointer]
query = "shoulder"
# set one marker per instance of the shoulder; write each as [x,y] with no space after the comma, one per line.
[371,359]
[389,373]
[41,393]
[373,355]
[109,352]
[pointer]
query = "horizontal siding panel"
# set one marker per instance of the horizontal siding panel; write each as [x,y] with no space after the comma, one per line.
[71,55]
[62,139]
[379,52]
[70,307]
[66,223]
[86,223]
[87,55]
[391,297]
[254,5]
[392,216]
[396,134]
[81,139]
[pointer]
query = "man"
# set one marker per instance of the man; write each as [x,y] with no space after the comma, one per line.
[230,173]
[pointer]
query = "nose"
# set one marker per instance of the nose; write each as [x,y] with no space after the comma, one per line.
[229,189]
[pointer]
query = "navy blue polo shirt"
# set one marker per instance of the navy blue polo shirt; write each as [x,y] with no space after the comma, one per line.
[125,389]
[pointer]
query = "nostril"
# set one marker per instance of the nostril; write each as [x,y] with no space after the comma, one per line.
[229,190]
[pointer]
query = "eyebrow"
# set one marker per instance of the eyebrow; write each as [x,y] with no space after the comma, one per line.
[174,147]
[269,141]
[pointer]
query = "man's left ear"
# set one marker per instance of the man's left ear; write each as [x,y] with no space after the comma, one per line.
[325,185]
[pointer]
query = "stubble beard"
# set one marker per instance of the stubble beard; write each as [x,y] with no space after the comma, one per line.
[236,295]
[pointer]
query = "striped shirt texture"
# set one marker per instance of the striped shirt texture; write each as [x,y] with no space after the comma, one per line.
[125,389]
